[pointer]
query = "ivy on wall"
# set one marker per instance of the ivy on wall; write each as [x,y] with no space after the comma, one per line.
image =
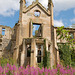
[46,58]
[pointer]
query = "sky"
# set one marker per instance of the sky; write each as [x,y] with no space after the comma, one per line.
[64,12]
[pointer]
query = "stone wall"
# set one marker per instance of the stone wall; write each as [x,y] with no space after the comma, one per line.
[5,39]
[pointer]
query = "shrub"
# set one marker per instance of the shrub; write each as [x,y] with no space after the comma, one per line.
[4,61]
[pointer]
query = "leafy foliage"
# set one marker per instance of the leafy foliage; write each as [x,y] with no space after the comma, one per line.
[46,58]
[65,53]
[4,61]
[66,49]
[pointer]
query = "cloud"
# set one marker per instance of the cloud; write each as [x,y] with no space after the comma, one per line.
[74,11]
[58,23]
[59,5]
[44,3]
[8,7]
[73,20]
[62,5]
[29,2]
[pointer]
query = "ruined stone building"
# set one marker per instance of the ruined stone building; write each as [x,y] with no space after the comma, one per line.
[27,48]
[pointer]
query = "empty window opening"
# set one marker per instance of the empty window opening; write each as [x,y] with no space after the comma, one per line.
[39,53]
[48,47]
[37,30]
[37,13]
[3,31]
[28,50]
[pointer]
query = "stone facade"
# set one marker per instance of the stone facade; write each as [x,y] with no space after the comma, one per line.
[24,47]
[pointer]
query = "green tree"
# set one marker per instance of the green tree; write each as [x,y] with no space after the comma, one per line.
[66,48]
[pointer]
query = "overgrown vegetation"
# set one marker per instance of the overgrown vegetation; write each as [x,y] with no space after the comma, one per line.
[67,50]
[46,58]
[4,61]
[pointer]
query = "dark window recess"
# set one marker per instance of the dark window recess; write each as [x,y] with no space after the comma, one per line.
[0,40]
[28,50]
[39,59]
[39,54]
[48,47]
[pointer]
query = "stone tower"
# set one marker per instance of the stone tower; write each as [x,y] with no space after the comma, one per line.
[29,48]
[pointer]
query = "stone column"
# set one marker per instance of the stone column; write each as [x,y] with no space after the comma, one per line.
[46,44]
[51,56]
[31,29]
[33,53]
[23,54]
[58,57]
[56,47]
[42,30]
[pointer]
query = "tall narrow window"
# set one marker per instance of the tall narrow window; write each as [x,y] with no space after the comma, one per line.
[28,50]
[3,31]
[39,53]
[48,47]
[37,30]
